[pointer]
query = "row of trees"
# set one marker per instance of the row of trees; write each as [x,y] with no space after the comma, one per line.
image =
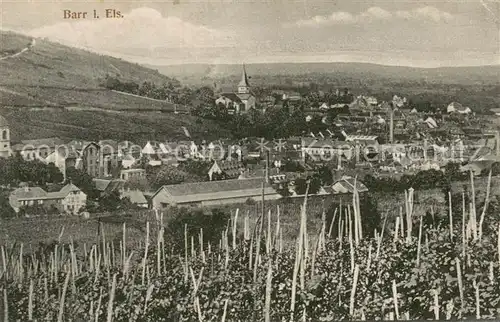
[186,171]
[421,180]
[171,91]
[273,123]
[15,169]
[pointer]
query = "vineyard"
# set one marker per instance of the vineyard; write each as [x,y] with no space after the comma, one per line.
[405,269]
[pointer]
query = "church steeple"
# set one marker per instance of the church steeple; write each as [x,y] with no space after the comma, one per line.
[243,86]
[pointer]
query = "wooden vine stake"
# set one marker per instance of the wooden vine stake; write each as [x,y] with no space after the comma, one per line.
[124,243]
[486,202]
[5,306]
[478,307]
[395,299]
[299,254]
[234,227]
[225,310]
[331,223]
[186,261]
[460,285]
[436,305]
[419,245]
[353,291]
[463,225]
[396,228]
[278,228]
[30,301]
[498,243]
[267,306]
[145,258]
[63,296]
[450,216]
[111,300]
[473,207]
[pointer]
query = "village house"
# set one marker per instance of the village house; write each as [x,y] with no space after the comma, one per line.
[90,155]
[132,174]
[109,157]
[37,149]
[230,169]
[129,148]
[135,196]
[291,96]
[325,149]
[347,185]
[455,107]
[108,186]
[230,101]
[69,199]
[128,161]
[273,175]
[212,193]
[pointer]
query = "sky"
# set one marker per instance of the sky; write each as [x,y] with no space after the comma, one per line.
[390,32]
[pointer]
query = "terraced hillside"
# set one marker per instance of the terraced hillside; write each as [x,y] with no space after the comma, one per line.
[49,77]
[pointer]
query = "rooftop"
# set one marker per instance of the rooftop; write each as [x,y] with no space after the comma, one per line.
[213,186]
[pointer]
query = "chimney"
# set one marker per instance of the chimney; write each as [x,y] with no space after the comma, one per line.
[391,127]
[267,166]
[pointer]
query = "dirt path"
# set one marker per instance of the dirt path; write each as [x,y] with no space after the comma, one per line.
[20,52]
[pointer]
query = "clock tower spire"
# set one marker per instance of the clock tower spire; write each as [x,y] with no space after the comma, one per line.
[243,86]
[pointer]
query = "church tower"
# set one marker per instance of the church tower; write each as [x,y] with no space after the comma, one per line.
[4,138]
[243,86]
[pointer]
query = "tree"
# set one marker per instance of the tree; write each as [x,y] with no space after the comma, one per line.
[204,96]
[15,169]
[6,210]
[301,186]
[197,168]
[284,191]
[168,175]
[110,202]
[453,173]
[213,222]
[291,166]
[138,183]
[325,176]
[83,181]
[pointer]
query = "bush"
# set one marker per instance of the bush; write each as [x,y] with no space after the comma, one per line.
[250,201]
[370,216]
[213,222]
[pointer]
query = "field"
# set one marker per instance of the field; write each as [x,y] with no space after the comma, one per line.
[97,125]
[337,271]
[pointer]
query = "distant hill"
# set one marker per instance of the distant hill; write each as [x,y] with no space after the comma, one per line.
[37,73]
[52,64]
[453,75]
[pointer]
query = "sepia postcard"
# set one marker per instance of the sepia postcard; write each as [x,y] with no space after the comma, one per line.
[228,160]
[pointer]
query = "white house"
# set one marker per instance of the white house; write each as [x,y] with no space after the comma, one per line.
[69,199]
[455,107]
[148,149]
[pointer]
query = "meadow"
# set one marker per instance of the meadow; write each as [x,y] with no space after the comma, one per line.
[99,125]
[408,268]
